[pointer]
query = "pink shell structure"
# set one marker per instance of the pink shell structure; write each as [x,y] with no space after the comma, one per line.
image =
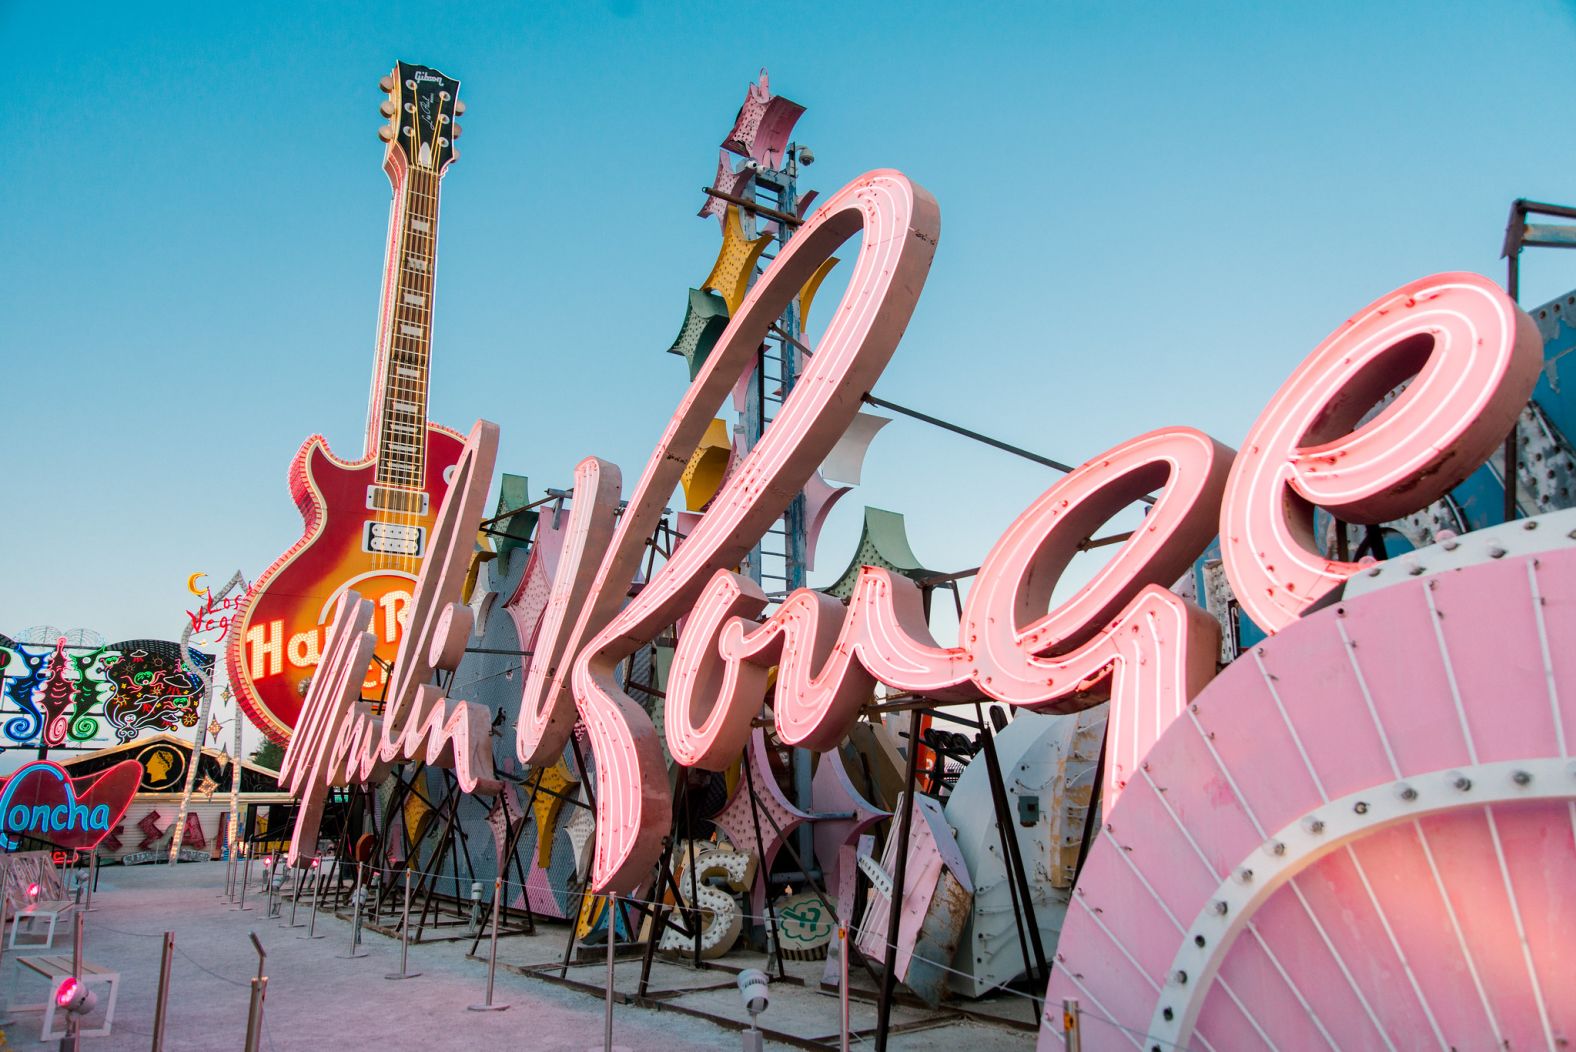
[1359,836]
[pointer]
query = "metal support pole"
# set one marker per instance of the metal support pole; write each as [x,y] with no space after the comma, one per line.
[612,942]
[73,1039]
[1012,858]
[5,876]
[895,905]
[1512,450]
[254,1015]
[404,936]
[317,896]
[246,878]
[492,955]
[357,897]
[842,985]
[92,879]
[161,1006]
[1071,1030]
[295,900]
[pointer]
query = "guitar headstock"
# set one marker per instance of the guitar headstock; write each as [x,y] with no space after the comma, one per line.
[421,109]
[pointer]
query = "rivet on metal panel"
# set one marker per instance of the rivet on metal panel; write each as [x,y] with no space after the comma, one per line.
[1361,807]
[1313,825]
[1461,782]
[1521,777]
[1406,792]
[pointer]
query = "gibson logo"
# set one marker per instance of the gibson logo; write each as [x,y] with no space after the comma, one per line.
[1123,635]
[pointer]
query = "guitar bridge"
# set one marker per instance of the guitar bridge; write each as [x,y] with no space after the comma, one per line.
[392,538]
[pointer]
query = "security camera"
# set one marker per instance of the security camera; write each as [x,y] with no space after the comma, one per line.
[806,156]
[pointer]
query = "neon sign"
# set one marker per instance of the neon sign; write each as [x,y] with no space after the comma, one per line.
[1122,636]
[41,801]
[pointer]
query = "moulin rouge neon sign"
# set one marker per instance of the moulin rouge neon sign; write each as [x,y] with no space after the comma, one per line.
[1472,357]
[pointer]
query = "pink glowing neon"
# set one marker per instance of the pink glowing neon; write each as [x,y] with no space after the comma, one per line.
[337,740]
[900,224]
[547,711]
[1123,626]
[1475,356]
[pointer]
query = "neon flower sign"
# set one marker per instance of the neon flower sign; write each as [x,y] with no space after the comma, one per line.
[41,801]
[1122,636]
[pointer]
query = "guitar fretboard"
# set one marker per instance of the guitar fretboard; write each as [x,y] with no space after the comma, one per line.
[407,339]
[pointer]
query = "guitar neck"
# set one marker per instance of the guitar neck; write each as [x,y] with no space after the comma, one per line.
[400,400]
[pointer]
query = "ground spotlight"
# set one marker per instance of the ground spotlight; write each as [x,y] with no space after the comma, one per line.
[75,997]
[755,992]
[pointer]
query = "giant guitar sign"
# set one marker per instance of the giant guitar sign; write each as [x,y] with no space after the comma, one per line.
[368,522]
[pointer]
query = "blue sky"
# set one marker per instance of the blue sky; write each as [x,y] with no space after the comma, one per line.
[1150,213]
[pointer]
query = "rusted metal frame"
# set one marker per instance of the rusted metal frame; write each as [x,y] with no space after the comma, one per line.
[751,206]
[815,885]
[512,855]
[905,828]
[659,909]
[761,869]
[402,793]
[1095,799]
[574,923]
[1017,877]
[451,803]
[552,495]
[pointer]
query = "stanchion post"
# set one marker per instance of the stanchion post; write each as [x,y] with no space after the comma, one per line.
[842,984]
[317,896]
[1071,1030]
[404,936]
[73,1039]
[161,1006]
[295,900]
[612,942]
[356,897]
[246,878]
[92,878]
[492,955]
[254,1016]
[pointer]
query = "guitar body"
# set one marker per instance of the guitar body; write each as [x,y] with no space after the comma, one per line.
[278,639]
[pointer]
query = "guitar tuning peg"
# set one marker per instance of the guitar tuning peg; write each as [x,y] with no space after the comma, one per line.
[387,109]
[459,108]
[457,129]
[387,83]
[454,155]
[386,132]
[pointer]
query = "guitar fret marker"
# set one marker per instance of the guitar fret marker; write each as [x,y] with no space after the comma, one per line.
[415,299]
[405,370]
[420,224]
[410,330]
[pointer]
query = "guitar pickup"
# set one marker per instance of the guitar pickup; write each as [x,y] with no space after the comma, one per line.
[390,498]
[392,538]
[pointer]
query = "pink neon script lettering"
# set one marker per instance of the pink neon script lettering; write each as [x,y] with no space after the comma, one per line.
[1123,631]
[1475,357]
[900,224]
